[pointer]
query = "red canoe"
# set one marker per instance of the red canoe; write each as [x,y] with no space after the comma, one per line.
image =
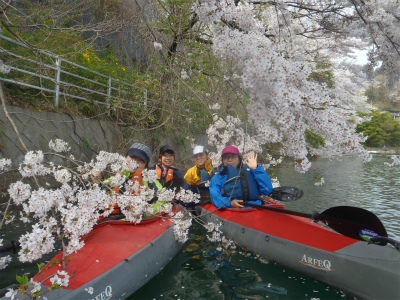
[118,258]
[365,271]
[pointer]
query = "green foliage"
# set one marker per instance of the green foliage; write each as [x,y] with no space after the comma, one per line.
[314,140]
[40,266]
[192,76]
[377,93]
[54,262]
[323,74]
[54,286]
[380,96]
[382,130]
[70,46]
[36,294]
[22,280]
[86,143]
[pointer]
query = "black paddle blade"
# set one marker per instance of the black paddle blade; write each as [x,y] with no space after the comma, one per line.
[176,183]
[353,222]
[7,249]
[286,193]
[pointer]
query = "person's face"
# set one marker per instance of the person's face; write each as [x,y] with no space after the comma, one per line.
[200,159]
[167,159]
[230,159]
[138,160]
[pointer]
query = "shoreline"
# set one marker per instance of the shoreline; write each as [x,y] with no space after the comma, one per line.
[388,150]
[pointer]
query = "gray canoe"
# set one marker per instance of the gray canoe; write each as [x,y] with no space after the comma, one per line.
[361,270]
[118,258]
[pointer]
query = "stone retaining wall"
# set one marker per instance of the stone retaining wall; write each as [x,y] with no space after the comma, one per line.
[85,136]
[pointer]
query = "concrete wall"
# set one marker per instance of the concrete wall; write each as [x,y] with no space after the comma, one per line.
[85,136]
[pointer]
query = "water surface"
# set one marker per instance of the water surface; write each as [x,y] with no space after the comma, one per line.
[199,271]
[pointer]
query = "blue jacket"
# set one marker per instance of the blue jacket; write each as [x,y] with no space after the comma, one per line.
[217,183]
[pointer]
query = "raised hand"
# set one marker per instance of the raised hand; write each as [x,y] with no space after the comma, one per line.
[251,160]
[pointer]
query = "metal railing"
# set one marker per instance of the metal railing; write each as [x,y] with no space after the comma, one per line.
[52,73]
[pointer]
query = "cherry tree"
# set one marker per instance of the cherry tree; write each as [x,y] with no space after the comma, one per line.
[276,48]
[273,43]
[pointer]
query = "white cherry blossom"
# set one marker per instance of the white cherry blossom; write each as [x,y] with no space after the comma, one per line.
[59,146]
[5,164]
[157,46]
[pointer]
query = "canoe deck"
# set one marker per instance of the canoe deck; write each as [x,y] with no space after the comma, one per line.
[361,270]
[107,245]
[292,228]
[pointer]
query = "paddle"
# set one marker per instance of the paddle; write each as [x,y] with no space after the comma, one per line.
[13,247]
[353,222]
[282,193]
[286,193]
[176,182]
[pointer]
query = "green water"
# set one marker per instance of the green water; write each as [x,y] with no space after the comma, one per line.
[201,272]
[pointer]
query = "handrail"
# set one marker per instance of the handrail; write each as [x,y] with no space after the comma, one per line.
[58,82]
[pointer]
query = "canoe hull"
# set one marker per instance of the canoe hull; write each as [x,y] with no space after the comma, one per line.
[130,275]
[360,270]
[118,258]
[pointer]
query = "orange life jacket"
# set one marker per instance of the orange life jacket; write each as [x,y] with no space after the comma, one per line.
[137,176]
[166,177]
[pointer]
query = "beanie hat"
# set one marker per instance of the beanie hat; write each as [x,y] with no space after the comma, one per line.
[198,149]
[166,148]
[231,149]
[140,150]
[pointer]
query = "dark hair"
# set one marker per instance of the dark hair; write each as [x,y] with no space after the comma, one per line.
[239,165]
[169,152]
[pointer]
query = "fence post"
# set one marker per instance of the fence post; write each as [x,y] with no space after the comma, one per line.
[58,75]
[145,98]
[109,90]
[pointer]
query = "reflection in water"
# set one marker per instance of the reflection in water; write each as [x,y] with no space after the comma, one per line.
[239,282]
[242,283]
[201,272]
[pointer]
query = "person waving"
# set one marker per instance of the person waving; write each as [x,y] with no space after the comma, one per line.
[238,180]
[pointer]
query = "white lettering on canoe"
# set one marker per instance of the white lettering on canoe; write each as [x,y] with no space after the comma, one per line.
[104,295]
[320,264]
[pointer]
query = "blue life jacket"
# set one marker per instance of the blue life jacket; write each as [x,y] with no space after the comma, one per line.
[204,176]
[240,184]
